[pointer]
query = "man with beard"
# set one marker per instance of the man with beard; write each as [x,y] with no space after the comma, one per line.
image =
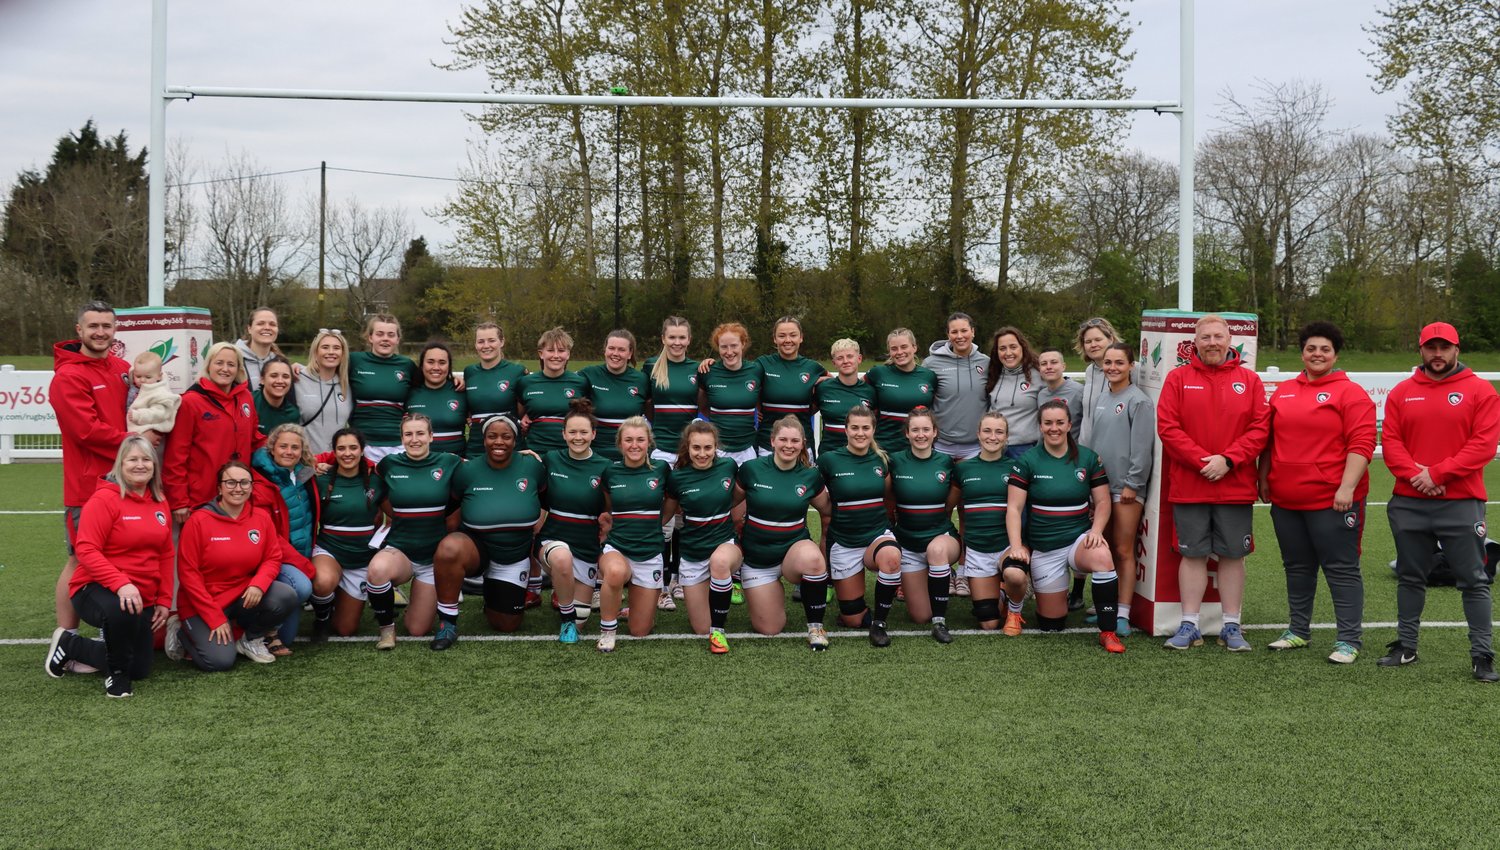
[1440,431]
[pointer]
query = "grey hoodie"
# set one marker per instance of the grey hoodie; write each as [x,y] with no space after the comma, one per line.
[960,391]
[1015,396]
[1124,434]
[253,364]
[325,408]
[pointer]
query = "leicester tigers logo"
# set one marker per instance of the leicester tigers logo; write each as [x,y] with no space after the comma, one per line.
[1351,519]
[1324,397]
[1238,387]
[437,474]
[1249,542]
[726,483]
[521,485]
[801,490]
[1455,399]
[161,518]
[1080,474]
[634,391]
[750,385]
[594,482]
[504,385]
[880,473]
[245,411]
[400,375]
[1480,529]
[1025,385]
[1119,408]
[923,388]
[805,377]
[568,393]
[942,477]
[254,536]
[693,379]
[453,404]
[653,484]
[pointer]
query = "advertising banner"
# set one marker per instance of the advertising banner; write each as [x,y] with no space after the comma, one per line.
[180,335]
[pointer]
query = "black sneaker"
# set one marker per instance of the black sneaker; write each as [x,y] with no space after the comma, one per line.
[940,633]
[1484,669]
[1400,655]
[56,664]
[117,686]
[878,636]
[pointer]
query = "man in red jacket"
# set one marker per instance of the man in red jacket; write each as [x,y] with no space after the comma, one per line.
[1440,430]
[88,393]
[1213,421]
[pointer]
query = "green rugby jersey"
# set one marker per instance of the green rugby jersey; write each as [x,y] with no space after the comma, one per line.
[616,398]
[787,386]
[546,402]
[856,485]
[635,497]
[488,392]
[349,516]
[835,398]
[1057,495]
[447,409]
[896,393]
[379,386]
[500,507]
[732,396]
[920,487]
[705,496]
[983,486]
[268,417]
[675,405]
[419,495]
[575,499]
[776,502]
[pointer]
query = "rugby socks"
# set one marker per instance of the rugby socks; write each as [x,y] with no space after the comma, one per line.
[886,585]
[322,608]
[608,625]
[447,611]
[566,610]
[382,602]
[1077,591]
[938,576]
[815,597]
[1124,611]
[534,581]
[1014,605]
[1106,599]
[671,559]
[720,592]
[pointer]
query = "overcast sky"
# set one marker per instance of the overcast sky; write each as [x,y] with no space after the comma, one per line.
[63,61]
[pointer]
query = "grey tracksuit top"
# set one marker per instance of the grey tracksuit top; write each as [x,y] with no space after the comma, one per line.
[1069,391]
[959,401]
[1124,435]
[1015,396]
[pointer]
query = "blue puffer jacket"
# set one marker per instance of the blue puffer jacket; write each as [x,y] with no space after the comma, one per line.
[291,485]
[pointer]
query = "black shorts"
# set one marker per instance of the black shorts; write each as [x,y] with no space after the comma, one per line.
[1208,529]
[504,597]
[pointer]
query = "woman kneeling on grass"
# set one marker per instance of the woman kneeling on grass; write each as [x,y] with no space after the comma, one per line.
[982,484]
[778,489]
[701,485]
[349,498]
[568,544]
[417,496]
[499,501]
[285,490]
[1058,480]
[920,500]
[227,561]
[123,583]
[634,493]
[856,476]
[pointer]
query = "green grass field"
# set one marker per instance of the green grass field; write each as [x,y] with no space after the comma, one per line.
[1033,741]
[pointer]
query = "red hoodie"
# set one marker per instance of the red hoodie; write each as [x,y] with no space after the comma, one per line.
[218,557]
[88,395]
[1212,410]
[1315,426]
[125,539]
[1448,425]
[213,427]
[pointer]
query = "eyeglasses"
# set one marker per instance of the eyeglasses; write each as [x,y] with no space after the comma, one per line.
[235,483]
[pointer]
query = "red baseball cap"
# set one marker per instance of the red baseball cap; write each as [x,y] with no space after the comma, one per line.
[1438,330]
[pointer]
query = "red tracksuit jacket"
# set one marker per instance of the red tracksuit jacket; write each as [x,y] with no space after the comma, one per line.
[1212,410]
[88,395]
[212,428]
[125,540]
[1315,426]
[219,556]
[1447,425]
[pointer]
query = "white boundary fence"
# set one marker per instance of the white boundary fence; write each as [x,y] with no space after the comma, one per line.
[28,426]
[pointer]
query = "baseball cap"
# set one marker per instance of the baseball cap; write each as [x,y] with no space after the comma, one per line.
[1438,330]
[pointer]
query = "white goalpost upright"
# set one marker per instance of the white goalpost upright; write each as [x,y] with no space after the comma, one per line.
[162,94]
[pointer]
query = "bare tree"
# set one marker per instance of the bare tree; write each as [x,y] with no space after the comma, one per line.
[254,242]
[364,248]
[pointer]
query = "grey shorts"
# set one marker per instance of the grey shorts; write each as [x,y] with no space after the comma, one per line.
[1208,529]
[70,527]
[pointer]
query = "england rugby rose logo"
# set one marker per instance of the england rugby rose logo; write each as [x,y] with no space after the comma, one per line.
[1184,352]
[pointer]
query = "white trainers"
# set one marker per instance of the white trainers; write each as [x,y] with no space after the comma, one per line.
[677,591]
[172,645]
[817,638]
[960,586]
[664,602]
[387,638]
[606,641]
[254,649]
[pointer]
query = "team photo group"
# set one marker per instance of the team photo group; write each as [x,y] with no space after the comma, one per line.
[209,524]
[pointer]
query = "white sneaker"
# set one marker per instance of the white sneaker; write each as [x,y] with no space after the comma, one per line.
[606,642]
[817,638]
[387,638]
[172,645]
[960,586]
[664,602]
[677,591]
[254,649]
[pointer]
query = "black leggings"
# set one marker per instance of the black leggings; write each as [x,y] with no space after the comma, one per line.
[127,646]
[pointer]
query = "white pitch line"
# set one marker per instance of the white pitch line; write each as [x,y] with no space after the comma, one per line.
[843,633]
[28,513]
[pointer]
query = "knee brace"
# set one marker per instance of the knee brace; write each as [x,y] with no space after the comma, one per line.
[986,610]
[1015,564]
[851,607]
[1050,624]
[879,547]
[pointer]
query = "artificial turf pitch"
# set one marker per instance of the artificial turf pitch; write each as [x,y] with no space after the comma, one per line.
[1027,742]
